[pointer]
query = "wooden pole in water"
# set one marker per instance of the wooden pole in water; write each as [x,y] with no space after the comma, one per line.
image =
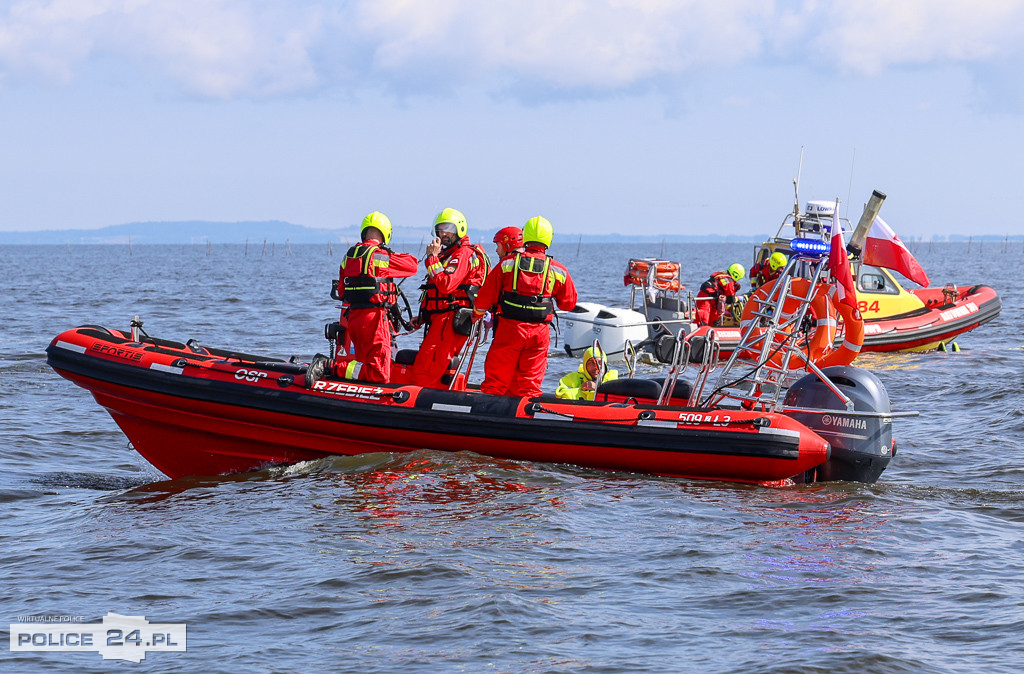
[264,248]
[246,246]
[129,245]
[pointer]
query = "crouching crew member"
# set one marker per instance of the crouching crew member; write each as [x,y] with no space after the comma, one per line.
[767,270]
[369,293]
[523,288]
[456,269]
[582,384]
[721,287]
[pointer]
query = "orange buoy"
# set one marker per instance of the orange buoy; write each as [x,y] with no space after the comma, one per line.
[661,274]
[853,338]
[821,338]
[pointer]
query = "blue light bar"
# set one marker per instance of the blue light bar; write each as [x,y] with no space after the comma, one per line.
[809,247]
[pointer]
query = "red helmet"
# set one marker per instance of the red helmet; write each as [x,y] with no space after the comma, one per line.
[510,237]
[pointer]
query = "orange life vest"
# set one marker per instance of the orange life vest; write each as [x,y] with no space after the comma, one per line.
[530,297]
[433,301]
[362,285]
[714,285]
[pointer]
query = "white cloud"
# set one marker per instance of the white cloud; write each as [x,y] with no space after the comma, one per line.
[870,36]
[238,48]
[226,49]
[215,48]
[574,43]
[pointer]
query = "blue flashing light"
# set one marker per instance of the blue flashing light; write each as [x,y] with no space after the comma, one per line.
[809,247]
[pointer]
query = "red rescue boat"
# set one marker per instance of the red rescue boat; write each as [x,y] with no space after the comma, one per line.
[780,411]
[195,410]
[944,314]
[895,318]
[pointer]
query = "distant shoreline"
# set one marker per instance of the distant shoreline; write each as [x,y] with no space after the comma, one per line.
[203,233]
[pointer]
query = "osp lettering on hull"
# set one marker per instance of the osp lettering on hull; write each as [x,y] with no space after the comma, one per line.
[250,375]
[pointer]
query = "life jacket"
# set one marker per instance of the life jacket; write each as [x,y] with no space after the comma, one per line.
[713,286]
[537,307]
[363,288]
[432,301]
[572,383]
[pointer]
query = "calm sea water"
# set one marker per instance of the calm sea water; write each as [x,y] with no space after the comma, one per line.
[459,563]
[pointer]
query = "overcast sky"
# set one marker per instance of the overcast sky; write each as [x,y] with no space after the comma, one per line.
[639,116]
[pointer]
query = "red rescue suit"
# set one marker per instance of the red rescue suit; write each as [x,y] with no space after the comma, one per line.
[368,292]
[524,287]
[719,285]
[762,273]
[452,279]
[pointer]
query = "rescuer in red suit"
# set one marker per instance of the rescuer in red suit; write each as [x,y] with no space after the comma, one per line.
[767,270]
[368,290]
[506,240]
[456,269]
[524,288]
[721,284]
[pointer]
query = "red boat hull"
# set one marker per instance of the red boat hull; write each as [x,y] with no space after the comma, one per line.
[939,322]
[205,412]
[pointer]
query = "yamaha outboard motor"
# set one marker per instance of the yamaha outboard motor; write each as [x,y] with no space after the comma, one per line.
[861,440]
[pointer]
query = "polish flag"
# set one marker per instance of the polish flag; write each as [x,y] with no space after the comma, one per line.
[839,263]
[884,249]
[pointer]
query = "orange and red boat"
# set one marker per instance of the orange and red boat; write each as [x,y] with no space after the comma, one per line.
[195,410]
[895,318]
[785,408]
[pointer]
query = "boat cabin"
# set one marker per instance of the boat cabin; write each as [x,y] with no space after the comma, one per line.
[879,294]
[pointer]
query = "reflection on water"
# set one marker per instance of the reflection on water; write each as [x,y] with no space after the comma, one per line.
[897,361]
[420,485]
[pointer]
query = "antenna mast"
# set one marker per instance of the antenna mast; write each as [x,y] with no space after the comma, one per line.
[796,193]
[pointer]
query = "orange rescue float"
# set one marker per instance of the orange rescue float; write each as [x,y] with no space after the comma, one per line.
[853,340]
[824,307]
[661,274]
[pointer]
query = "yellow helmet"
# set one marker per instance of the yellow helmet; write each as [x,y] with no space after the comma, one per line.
[378,221]
[777,261]
[454,217]
[737,272]
[589,355]
[538,229]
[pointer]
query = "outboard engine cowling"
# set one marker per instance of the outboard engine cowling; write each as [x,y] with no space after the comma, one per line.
[861,440]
